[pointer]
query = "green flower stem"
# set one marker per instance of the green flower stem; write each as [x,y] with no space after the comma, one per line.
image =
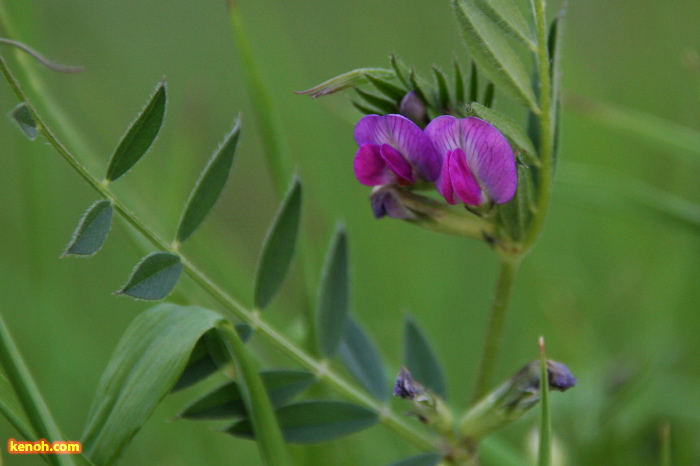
[497,319]
[323,372]
[29,397]
[546,128]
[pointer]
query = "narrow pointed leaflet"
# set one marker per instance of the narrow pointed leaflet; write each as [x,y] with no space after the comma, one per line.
[333,296]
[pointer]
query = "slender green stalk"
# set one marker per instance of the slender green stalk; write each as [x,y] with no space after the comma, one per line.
[497,320]
[545,447]
[28,394]
[268,435]
[546,128]
[277,154]
[348,391]
[271,136]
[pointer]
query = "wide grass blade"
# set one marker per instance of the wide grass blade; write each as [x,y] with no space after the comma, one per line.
[91,232]
[262,418]
[210,185]
[140,135]
[145,365]
[278,248]
[38,420]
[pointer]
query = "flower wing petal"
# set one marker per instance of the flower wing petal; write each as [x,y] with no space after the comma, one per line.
[490,158]
[370,167]
[399,165]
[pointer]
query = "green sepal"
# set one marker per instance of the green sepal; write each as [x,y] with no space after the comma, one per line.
[443,89]
[473,83]
[460,93]
[386,87]
[386,106]
[365,109]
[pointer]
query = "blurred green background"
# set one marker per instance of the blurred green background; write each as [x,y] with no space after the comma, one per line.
[611,286]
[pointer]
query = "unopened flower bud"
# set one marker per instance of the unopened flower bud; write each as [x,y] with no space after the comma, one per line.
[428,408]
[413,108]
[406,387]
[513,398]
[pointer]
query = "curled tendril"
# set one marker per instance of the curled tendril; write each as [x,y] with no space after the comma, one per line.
[40,58]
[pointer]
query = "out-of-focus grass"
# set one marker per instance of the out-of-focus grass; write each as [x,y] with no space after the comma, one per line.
[612,289]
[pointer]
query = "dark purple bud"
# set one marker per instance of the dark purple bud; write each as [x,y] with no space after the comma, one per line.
[413,108]
[560,378]
[387,202]
[406,387]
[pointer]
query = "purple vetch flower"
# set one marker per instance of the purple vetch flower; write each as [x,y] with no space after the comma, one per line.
[393,150]
[560,378]
[478,163]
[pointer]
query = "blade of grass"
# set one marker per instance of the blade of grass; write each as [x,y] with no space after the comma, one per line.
[28,394]
[545,447]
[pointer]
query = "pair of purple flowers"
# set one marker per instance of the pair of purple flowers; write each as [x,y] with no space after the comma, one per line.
[468,159]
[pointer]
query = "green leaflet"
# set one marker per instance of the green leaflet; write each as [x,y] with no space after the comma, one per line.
[491,51]
[420,359]
[314,421]
[361,358]
[140,135]
[278,248]
[210,185]
[226,401]
[25,120]
[143,368]
[154,277]
[509,128]
[91,232]
[334,295]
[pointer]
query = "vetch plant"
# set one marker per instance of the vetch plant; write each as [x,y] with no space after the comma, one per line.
[437,155]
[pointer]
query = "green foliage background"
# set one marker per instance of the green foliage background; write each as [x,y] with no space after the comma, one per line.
[611,286]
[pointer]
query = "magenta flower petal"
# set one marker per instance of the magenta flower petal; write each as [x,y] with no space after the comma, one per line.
[490,158]
[444,182]
[398,164]
[463,181]
[403,135]
[370,167]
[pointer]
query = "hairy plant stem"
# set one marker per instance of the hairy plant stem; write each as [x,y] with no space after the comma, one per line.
[321,368]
